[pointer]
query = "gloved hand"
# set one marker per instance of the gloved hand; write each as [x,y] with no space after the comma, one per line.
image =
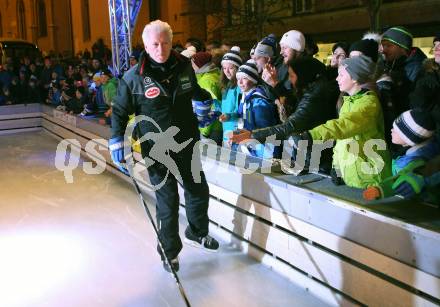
[304,136]
[409,184]
[116,147]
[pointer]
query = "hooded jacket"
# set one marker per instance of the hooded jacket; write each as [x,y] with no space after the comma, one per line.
[208,77]
[404,72]
[360,120]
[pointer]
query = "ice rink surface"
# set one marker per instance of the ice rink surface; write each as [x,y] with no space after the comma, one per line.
[89,243]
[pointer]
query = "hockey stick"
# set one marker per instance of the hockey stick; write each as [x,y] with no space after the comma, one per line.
[167,261]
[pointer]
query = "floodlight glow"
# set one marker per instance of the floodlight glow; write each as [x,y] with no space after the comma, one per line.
[31,265]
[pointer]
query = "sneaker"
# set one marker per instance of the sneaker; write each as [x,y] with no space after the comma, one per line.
[207,242]
[174,264]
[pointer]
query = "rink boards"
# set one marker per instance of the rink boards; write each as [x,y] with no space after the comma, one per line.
[322,237]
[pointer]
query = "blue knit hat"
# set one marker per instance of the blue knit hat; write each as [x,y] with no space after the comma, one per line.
[399,36]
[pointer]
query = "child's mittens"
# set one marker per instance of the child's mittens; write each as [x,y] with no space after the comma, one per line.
[409,184]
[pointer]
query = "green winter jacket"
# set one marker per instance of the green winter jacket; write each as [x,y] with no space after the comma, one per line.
[360,122]
[109,90]
[208,78]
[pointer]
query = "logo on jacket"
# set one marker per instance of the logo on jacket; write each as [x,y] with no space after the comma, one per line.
[147,81]
[152,92]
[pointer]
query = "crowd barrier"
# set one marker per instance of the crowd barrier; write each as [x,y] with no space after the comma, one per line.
[322,237]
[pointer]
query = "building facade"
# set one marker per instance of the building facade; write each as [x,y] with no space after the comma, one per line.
[70,26]
[62,26]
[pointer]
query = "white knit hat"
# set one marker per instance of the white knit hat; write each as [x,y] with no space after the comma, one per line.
[189,52]
[249,71]
[294,39]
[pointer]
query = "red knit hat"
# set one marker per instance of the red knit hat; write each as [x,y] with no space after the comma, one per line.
[201,58]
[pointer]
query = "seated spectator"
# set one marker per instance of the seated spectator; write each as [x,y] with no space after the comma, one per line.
[208,77]
[360,120]
[412,129]
[255,109]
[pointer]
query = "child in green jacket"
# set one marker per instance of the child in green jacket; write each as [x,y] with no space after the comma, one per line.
[358,130]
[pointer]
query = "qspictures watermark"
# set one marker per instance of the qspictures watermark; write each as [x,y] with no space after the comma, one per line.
[163,143]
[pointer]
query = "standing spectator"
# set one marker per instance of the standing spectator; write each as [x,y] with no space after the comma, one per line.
[402,63]
[256,110]
[96,65]
[46,76]
[208,77]
[426,95]
[360,120]
[231,93]
[339,53]
[189,52]
[5,75]
[109,86]
[33,91]
[292,46]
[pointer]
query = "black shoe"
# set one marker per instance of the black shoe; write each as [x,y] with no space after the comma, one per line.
[174,264]
[207,243]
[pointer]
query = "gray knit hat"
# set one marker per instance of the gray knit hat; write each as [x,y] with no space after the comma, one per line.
[263,50]
[361,68]
[399,36]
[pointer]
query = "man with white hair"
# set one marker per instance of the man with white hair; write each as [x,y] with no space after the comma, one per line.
[161,86]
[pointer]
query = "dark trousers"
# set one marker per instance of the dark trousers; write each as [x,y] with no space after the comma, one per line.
[167,197]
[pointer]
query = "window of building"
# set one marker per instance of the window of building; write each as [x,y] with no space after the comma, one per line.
[21,18]
[42,21]
[249,9]
[86,20]
[154,9]
[302,6]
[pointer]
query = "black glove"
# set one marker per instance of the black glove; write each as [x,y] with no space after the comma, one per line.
[336,179]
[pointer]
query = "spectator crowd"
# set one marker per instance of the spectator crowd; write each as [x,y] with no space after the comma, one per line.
[379,88]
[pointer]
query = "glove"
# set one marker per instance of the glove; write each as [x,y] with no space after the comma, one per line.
[116,147]
[305,136]
[409,184]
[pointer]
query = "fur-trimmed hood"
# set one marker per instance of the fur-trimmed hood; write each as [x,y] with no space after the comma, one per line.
[430,65]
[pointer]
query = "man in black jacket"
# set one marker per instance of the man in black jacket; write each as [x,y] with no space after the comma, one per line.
[161,87]
[403,63]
